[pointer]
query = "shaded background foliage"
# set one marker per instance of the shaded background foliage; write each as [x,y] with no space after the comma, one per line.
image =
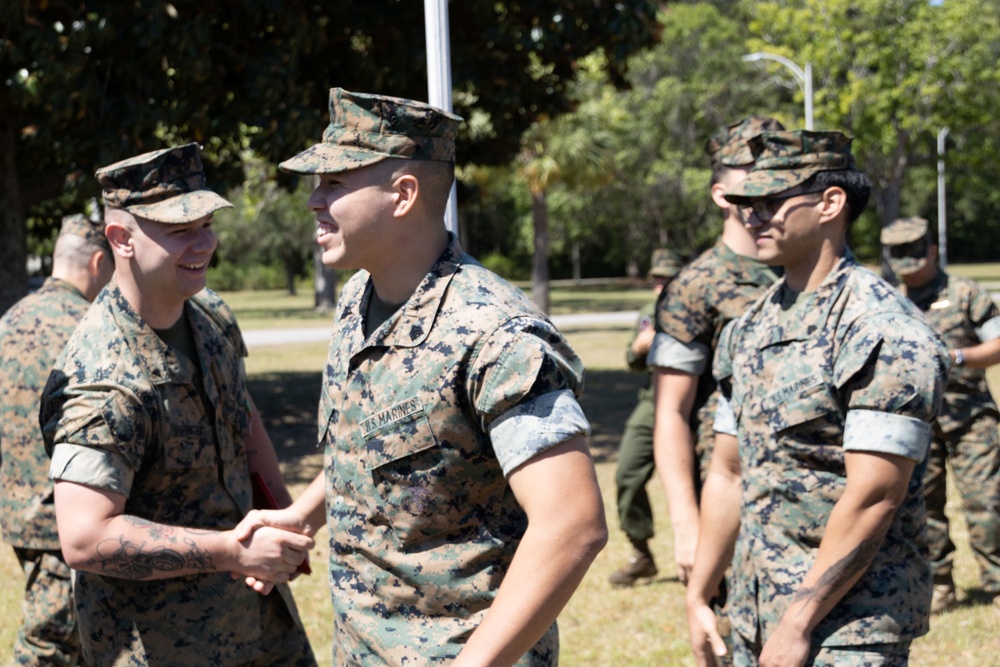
[593,113]
[88,82]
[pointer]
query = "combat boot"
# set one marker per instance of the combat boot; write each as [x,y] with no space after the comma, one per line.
[943,598]
[640,565]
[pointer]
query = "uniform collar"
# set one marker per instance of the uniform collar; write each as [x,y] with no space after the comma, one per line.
[52,284]
[160,361]
[812,310]
[925,294]
[411,324]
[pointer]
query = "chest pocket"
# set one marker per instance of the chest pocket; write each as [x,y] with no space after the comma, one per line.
[190,440]
[189,445]
[810,401]
[807,425]
[409,471]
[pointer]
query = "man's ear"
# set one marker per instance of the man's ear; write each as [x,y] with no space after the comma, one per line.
[718,196]
[833,202]
[120,238]
[96,261]
[406,192]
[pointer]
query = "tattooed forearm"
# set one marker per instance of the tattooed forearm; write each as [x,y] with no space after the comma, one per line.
[854,563]
[157,531]
[128,560]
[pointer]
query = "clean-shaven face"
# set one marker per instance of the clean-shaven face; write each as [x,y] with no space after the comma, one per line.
[350,207]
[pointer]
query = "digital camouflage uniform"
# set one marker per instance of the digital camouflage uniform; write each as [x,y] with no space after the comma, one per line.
[423,421]
[853,366]
[421,424]
[708,293]
[963,315]
[127,413]
[32,334]
[635,449]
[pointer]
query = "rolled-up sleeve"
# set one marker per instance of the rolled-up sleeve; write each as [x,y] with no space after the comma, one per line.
[668,352]
[892,382]
[534,426]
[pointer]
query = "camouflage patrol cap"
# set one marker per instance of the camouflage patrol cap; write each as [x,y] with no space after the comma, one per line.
[729,145]
[908,242]
[167,185]
[665,264]
[786,159]
[82,226]
[365,129]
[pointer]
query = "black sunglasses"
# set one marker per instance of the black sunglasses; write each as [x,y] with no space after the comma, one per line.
[765,209]
[916,248]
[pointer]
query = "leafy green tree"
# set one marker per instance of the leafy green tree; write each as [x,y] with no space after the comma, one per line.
[892,73]
[573,150]
[89,82]
[679,92]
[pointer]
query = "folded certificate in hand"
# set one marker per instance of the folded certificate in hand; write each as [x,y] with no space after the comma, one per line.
[263,499]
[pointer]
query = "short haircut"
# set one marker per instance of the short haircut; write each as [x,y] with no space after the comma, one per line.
[855,183]
[74,252]
[719,172]
[435,177]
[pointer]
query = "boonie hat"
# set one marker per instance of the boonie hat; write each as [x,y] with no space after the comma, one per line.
[365,129]
[786,159]
[82,226]
[665,264]
[729,145]
[167,185]
[908,242]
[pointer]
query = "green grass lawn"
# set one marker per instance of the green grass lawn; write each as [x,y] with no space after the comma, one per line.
[602,625]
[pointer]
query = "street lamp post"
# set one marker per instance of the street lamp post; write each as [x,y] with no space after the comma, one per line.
[803,77]
[439,78]
[942,224]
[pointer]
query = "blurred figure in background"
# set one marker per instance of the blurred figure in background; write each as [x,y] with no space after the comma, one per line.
[963,314]
[635,450]
[32,334]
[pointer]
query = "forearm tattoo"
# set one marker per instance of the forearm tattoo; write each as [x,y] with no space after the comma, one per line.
[855,562]
[128,560]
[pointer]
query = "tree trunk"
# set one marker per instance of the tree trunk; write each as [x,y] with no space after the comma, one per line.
[577,272]
[13,250]
[540,266]
[632,262]
[325,279]
[887,200]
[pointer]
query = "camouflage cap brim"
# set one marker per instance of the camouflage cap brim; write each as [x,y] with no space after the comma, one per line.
[904,266]
[365,129]
[183,208]
[761,184]
[787,159]
[904,230]
[330,159]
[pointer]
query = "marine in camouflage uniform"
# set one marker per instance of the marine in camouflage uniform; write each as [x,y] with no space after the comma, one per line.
[832,379]
[153,437]
[635,449]
[713,289]
[32,334]
[448,414]
[965,434]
